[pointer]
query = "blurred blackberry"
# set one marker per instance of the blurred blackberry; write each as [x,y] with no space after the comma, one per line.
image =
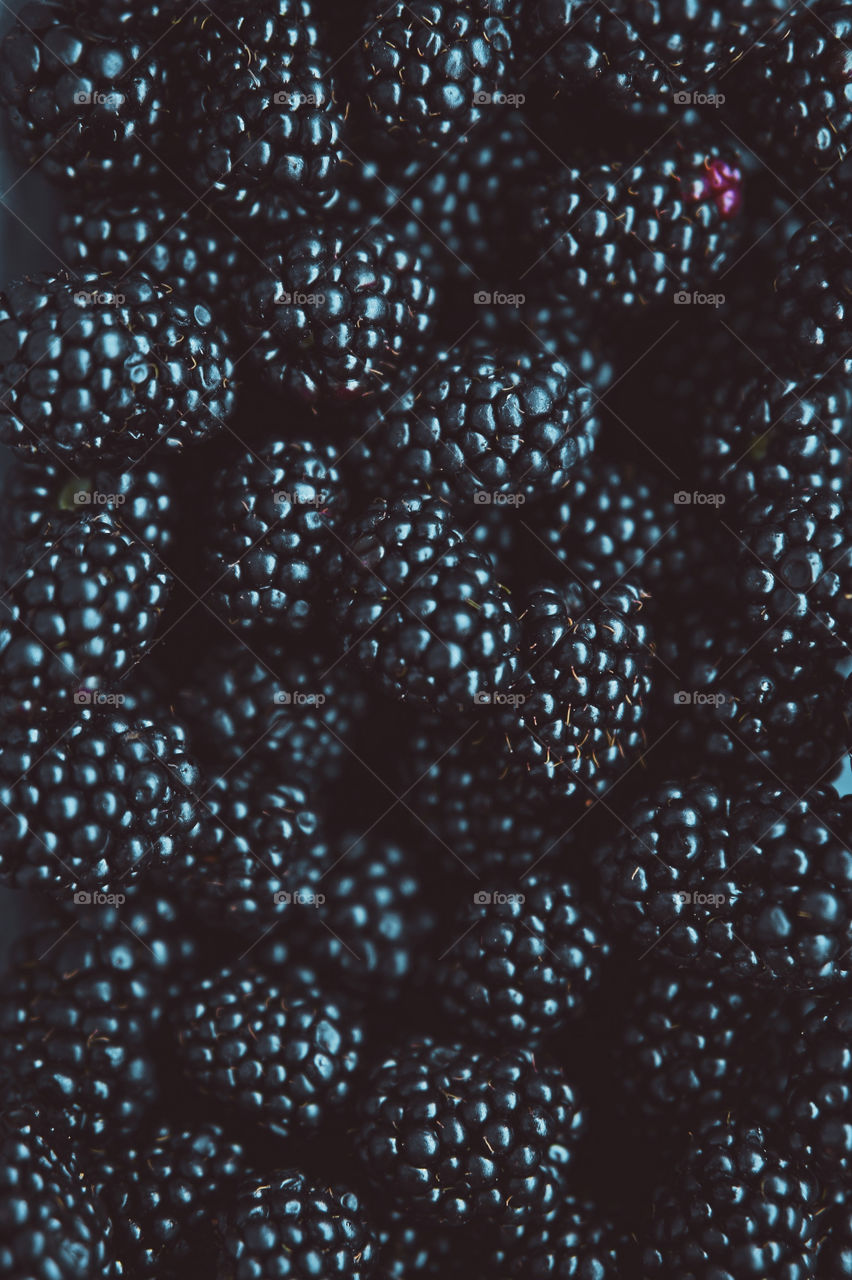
[526,963]
[739,882]
[278,1052]
[656,230]
[812,297]
[426,71]
[416,1251]
[301,1229]
[735,1202]
[588,677]
[89,804]
[108,368]
[421,609]
[84,103]
[430,1113]
[255,94]
[336,310]
[834,1247]
[819,1104]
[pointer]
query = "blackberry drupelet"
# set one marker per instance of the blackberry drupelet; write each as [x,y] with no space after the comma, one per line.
[425,70]
[524,968]
[337,310]
[629,235]
[737,1205]
[273,544]
[588,676]
[297,1229]
[813,300]
[99,368]
[276,1051]
[456,1136]
[91,803]
[421,609]
[739,882]
[83,104]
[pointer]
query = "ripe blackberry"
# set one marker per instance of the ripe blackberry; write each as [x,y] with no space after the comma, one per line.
[588,665]
[83,104]
[416,1251]
[778,438]
[54,1228]
[740,884]
[736,1204]
[833,1251]
[263,131]
[335,311]
[93,367]
[517,422]
[812,295]
[297,1229]
[273,544]
[576,1239]
[276,1051]
[79,1017]
[795,573]
[421,609]
[650,231]
[456,1136]
[90,804]
[523,968]
[85,604]
[819,1104]
[425,69]
[39,497]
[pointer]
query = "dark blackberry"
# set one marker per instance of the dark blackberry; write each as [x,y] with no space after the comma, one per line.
[834,1245]
[416,1251]
[578,1239]
[735,1205]
[812,298]
[794,573]
[296,1229]
[658,230]
[91,803]
[456,1136]
[743,884]
[525,963]
[276,1051]
[83,104]
[427,70]
[273,541]
[588,676]
[336,310]
[54,1227]
[255,94]
[421,609]
[79,1017]
[778,438]
[819,1104]
[517,422]
[93,367]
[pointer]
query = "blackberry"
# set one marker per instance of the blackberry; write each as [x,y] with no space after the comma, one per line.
[84,104]
[421,609]
[426,68]
[736,1204]
[577,1239]
[93,367]
[91,803]
[54,1228]
[336,310]
[834,1247]
[79,1016]
[416,1251]
[812,297]
[39,497]
[517,422]
[819,1102]
[741,885]
[456,1136]
[273,542]
[588,666]
[84,606]
[263,134]
[655,230]
[526,963]
[275,1051]
[292,1227]
[795,573]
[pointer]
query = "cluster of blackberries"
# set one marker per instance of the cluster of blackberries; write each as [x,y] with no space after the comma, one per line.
[426,588]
